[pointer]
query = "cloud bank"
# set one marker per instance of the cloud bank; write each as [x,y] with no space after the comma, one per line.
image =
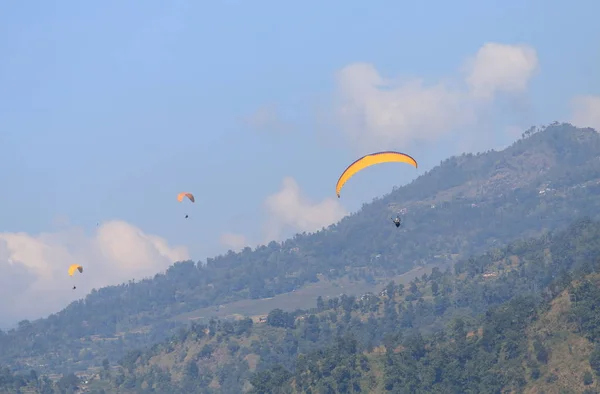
[290,211]
[33,268]
[376,112]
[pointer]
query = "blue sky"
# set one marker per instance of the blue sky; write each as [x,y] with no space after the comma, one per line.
[109,109]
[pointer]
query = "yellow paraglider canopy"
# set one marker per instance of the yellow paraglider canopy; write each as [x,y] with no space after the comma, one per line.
[180,196]
[370,160]
[75,267]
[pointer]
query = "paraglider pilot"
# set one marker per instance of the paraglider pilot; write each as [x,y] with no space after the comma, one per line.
[397,221]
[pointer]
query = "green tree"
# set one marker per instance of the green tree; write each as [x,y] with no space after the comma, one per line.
[588,378]
[594,360]
[435,288]
[320,304]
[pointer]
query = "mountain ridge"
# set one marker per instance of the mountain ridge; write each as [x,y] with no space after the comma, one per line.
[446,217]
[534,298]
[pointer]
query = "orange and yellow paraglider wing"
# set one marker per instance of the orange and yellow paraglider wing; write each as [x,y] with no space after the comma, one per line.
[370,160]
[75,267]
[180,196]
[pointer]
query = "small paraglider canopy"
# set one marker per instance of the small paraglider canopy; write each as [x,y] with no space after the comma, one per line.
[190,196]
[370,160]
[181,196]
[75,267]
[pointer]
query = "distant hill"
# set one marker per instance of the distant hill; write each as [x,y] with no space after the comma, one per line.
[464,206]
[520,318]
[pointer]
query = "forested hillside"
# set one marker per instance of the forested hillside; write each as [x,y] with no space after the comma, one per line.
[518,318]
[464,206]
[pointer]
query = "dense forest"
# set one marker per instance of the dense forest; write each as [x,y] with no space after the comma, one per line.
[493,324]
[465,206]
[520,318]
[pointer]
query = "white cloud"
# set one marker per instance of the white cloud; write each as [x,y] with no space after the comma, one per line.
[33,268]
[500,67]
[376,112]
[268,119]
[586,111]
[234,241]
[289,209]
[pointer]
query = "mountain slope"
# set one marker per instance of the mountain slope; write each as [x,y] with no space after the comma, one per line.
[522,346]
[464,206]
[223,356]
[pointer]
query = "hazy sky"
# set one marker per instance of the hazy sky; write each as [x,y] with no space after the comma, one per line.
[109,109]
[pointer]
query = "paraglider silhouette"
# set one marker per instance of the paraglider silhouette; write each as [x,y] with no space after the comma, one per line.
[73,268]
[190,196]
